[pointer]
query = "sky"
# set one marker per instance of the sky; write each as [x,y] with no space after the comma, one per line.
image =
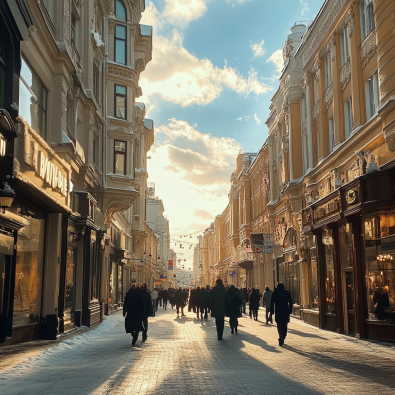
[214,69]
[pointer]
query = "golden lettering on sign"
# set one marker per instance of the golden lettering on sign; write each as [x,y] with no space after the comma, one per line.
[50,173]
[327,209]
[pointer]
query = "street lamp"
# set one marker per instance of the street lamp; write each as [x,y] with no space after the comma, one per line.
[7,196]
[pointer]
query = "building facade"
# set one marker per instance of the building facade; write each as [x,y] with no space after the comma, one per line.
[79,165]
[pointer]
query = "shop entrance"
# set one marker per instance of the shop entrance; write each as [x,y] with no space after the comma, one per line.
[350,305]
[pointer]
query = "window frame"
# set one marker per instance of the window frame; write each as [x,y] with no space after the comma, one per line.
[344,46]
[115,100]
[348,118]
[328,70]
[124,7]
[96,81]
[124,40]
[124,153]
[376,95]
[331,130]
[366,11]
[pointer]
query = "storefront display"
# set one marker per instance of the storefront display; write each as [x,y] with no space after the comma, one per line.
[379,237]
[70,285]
[314,296]
[330,295]
[29,273]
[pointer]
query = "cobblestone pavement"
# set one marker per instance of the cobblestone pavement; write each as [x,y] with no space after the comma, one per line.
[183,356]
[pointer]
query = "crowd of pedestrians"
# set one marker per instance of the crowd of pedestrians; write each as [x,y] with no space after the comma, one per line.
[218,301]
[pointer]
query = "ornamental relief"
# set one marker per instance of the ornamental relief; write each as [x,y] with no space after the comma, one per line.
[345,75]
[328,96]
[315,112]
[368,48]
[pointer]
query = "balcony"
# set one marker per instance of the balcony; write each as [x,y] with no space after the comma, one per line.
[328,96]
[315,111]
[368,48]
[345,74]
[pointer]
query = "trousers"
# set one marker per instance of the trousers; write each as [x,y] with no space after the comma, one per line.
[220,324]
[268,316]
[145,326]
[282,328]
[233,322]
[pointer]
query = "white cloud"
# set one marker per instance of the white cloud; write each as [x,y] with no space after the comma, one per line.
[257,120]
[180,77]
[305,7]
[257,49]
[152,17]
[181,12]
[239,119]
[237,1]
[190,167]
[277,58]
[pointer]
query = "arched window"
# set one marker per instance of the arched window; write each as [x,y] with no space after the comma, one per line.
[120,10]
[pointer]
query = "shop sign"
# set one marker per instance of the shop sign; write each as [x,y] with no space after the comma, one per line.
[327,240]
[6,244]
[3,145]
[170,267]
[327,210]
[51,174]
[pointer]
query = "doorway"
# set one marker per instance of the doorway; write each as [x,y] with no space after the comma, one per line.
[350,300]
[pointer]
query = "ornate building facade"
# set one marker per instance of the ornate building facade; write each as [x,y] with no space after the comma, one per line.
[79,167]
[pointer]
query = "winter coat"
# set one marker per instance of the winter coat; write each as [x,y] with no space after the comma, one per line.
[254,300]
[154,295]
[203,298]
[165,295]
[281,304]
[235,302]
[134,310]
[267,297]
[219,301]
[179,298]
[148,303]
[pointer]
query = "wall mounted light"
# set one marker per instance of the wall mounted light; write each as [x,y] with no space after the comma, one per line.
[7,196]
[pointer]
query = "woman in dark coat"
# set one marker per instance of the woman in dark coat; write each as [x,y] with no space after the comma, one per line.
[254,303]
[134,311]
[281,305]
[203,303]
[235,302]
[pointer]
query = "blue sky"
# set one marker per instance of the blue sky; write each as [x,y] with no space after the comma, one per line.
[208,88]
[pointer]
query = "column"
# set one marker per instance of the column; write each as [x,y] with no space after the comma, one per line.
[271,159]
[310,165]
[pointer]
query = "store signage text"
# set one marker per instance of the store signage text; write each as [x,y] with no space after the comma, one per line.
[50,173]
[3,145]
[327,209]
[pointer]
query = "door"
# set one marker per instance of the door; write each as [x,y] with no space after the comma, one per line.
[350,301]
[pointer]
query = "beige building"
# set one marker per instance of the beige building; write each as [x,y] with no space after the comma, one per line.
[80,166]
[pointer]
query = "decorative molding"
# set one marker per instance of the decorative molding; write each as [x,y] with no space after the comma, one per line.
[345,74]
[315,112]
[350,21]
[328,96]
[121,71]
[274,164]
[368,48]
[389,135]
[321,27]
[111,27]
[285,143]
[331,48]
[317,70]
[304,83]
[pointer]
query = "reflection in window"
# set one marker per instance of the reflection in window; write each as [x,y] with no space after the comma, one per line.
[120,101]
[314,301]
[380,266]
[69,306]
[28,273]
[119,157]
[32,99]
[120,10]
[330,297]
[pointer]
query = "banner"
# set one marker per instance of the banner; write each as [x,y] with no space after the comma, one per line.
[170,267]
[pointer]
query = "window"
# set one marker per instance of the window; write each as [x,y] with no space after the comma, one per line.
[379,240]
[344,46]
[120,101]
[120,10]
[329,269]
[32,99]
[367,18]
[348,117]
[120,44]
[119,157]
[318,146]
[50,7]
[331,135]
[94,148]
[315,91]
[96,81]
[313,273]
[372,95]
[328,70]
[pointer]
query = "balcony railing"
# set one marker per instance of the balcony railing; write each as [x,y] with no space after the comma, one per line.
[328,96]
[315,111]
[368,48]
[345,74]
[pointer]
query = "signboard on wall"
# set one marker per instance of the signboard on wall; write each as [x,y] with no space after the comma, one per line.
[170,267]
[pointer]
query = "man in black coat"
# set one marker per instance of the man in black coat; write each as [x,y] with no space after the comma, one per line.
[281,306]
[234,308]
[219,304]
[165,296]
[179,299]
[148,308]
[203,302]
[134,312]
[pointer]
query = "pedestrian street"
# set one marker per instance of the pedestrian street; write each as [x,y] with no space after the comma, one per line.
[183,356]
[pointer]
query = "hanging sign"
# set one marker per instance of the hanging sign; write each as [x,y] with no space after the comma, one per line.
[170,267]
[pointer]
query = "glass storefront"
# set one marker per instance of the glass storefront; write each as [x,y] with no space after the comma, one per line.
[379,242]
[28,274]
[329,270]
[70,288]
[314,301]
[119,296]
[113,284]
[346,246]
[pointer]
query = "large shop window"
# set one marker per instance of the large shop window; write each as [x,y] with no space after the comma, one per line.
[314,295]
[32,99]
[28,273]
[329,270]
[379,239]
[70,284]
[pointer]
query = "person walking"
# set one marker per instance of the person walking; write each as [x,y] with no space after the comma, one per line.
[154,298]
[267,298]
[179,299]
[235,303]
[134,312]
[254,303]
[218,302]
[281,307]
[165,297]
[148,309]
[203,303]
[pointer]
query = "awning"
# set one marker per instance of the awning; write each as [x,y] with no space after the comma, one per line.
[246,263]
